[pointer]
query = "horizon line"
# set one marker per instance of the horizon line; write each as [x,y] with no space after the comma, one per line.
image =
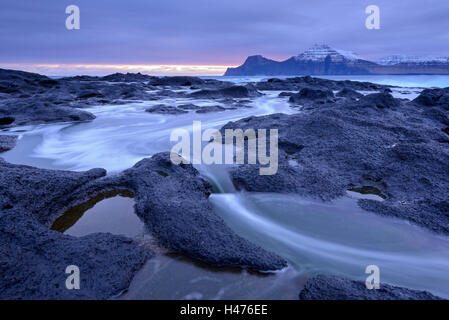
[96,69]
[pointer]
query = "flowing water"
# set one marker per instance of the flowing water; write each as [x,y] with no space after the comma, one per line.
[315,237]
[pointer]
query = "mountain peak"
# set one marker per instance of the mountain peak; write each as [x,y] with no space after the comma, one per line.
[400,58]
[319,52]
[256,59]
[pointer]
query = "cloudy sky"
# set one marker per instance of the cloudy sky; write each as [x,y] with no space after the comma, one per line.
[211,33]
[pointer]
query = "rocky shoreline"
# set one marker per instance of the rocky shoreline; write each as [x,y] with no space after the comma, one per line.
[396,148]
[341,140]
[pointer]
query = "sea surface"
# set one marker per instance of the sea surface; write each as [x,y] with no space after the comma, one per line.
[314,237]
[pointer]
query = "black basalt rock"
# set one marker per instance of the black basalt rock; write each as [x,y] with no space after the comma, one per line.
[7,142]
[309,95]
[324,287]
[165,109]
[381,142]
[434,97]
[172,200]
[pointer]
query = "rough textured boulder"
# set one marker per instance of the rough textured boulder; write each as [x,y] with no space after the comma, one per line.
[7,142]
[229,92]
[32,111]
[434,97]
[335,288]
[378,100]
[172,201]
[308,95]
[177,81]
[207,109]
[33,258]
[349,93]
[165,109]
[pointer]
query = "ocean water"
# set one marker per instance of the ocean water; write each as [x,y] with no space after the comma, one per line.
[411,81]
[314,237]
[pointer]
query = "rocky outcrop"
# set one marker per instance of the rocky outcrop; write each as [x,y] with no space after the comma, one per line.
[207,109]
[380,143]
[7,142]
[378,100]
[165,109]
[170,199]
[229,92]
[335,288]
[349,93]
[433,98]
[308,95]
[33,111]
[33,258]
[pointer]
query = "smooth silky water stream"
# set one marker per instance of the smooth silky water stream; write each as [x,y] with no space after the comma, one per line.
[337,238]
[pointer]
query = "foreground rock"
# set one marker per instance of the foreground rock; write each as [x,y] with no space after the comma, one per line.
[172,201]
[336,288]
[399,149]
[33,258]
[7,142]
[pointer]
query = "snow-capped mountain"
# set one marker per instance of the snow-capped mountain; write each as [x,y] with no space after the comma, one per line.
[322,59]
[399,58]
[319,52]
[319,59]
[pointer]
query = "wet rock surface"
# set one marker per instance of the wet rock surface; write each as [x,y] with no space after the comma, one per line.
[434,98]
[397,147]
[207,109]
[172,201]
[165,109]
[33,258]
[335,288]
[349,93]
[229,92]
[7,142]
[308,96]
[347,141]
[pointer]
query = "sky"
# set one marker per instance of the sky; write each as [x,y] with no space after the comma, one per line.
[206,36]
